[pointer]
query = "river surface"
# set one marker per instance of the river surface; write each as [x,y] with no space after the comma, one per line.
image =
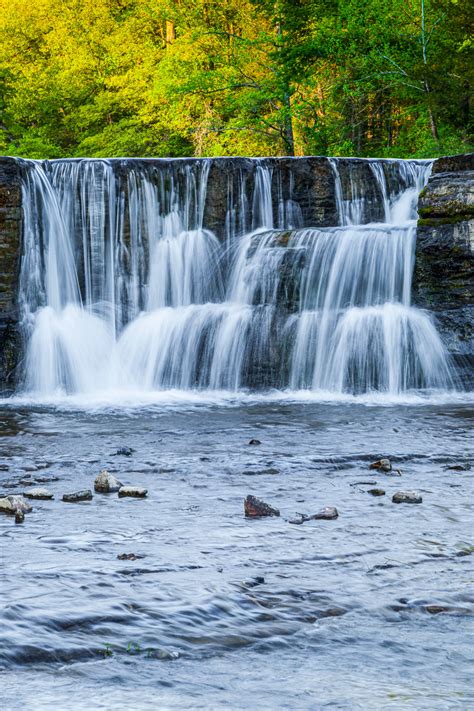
[372,610]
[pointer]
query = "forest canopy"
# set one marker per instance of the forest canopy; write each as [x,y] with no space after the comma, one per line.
[235,77]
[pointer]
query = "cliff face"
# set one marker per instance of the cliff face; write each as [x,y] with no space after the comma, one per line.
[444,271]
[10,240]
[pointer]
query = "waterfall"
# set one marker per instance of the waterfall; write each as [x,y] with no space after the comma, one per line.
[149,275]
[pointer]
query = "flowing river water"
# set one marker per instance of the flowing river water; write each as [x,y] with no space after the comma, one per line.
[373,610]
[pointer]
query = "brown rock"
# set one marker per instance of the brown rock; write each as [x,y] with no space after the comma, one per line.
[255,508]
[384,465]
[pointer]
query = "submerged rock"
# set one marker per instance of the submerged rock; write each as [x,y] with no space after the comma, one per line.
[19,517]
[129,556]
[459,467]
[407,497]
[13,503]
[76,496]
[255,508]
[45,479]
[376,492]
[255,441]
[39,493]
[328,513]
[138,492]
[105,482]
[253,582]
[124,452]
[384,465]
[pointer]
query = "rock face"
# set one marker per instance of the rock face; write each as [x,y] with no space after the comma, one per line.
[10,240]
[444,270]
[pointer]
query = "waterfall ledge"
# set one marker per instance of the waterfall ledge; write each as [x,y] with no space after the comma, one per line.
[233,197]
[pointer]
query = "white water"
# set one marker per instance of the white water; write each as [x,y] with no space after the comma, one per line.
[124,288]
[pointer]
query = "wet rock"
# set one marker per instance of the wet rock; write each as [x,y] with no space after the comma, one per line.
[407,497]
[443,279]
[255,441]
[255,508]
[328,513]
[376,492]
[124,452]
[19,517]
[13,503]
[129,556]
[105,482]
[40,494]
[438,609]
[459,467]
[76,496]
[45,479]
[298,521]
[138,492]
[384,465]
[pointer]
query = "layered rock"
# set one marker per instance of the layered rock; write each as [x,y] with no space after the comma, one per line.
[444,271]
[10,240]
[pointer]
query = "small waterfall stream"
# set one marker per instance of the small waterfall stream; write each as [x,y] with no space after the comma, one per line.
[125,284]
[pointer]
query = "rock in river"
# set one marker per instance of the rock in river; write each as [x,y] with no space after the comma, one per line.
[376,492]
[13,503]
[39,493]
[384,465]
[105,482]
[328,513]
[124,452]
[255,441]
[76,496]
[407,497]
[255,508]
[138,492]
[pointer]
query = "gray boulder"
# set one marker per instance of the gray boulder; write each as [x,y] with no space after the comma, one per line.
[105,482]
[39,493]
[138,492]
[13,503]
[407,497]
[76,496]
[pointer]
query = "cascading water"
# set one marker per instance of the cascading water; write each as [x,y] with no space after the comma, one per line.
[124,285]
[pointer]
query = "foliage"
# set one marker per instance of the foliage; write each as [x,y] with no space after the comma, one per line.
[229,77]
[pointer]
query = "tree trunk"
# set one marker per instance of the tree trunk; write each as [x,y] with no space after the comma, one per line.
[433,126]
[288,135]
[170,32]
